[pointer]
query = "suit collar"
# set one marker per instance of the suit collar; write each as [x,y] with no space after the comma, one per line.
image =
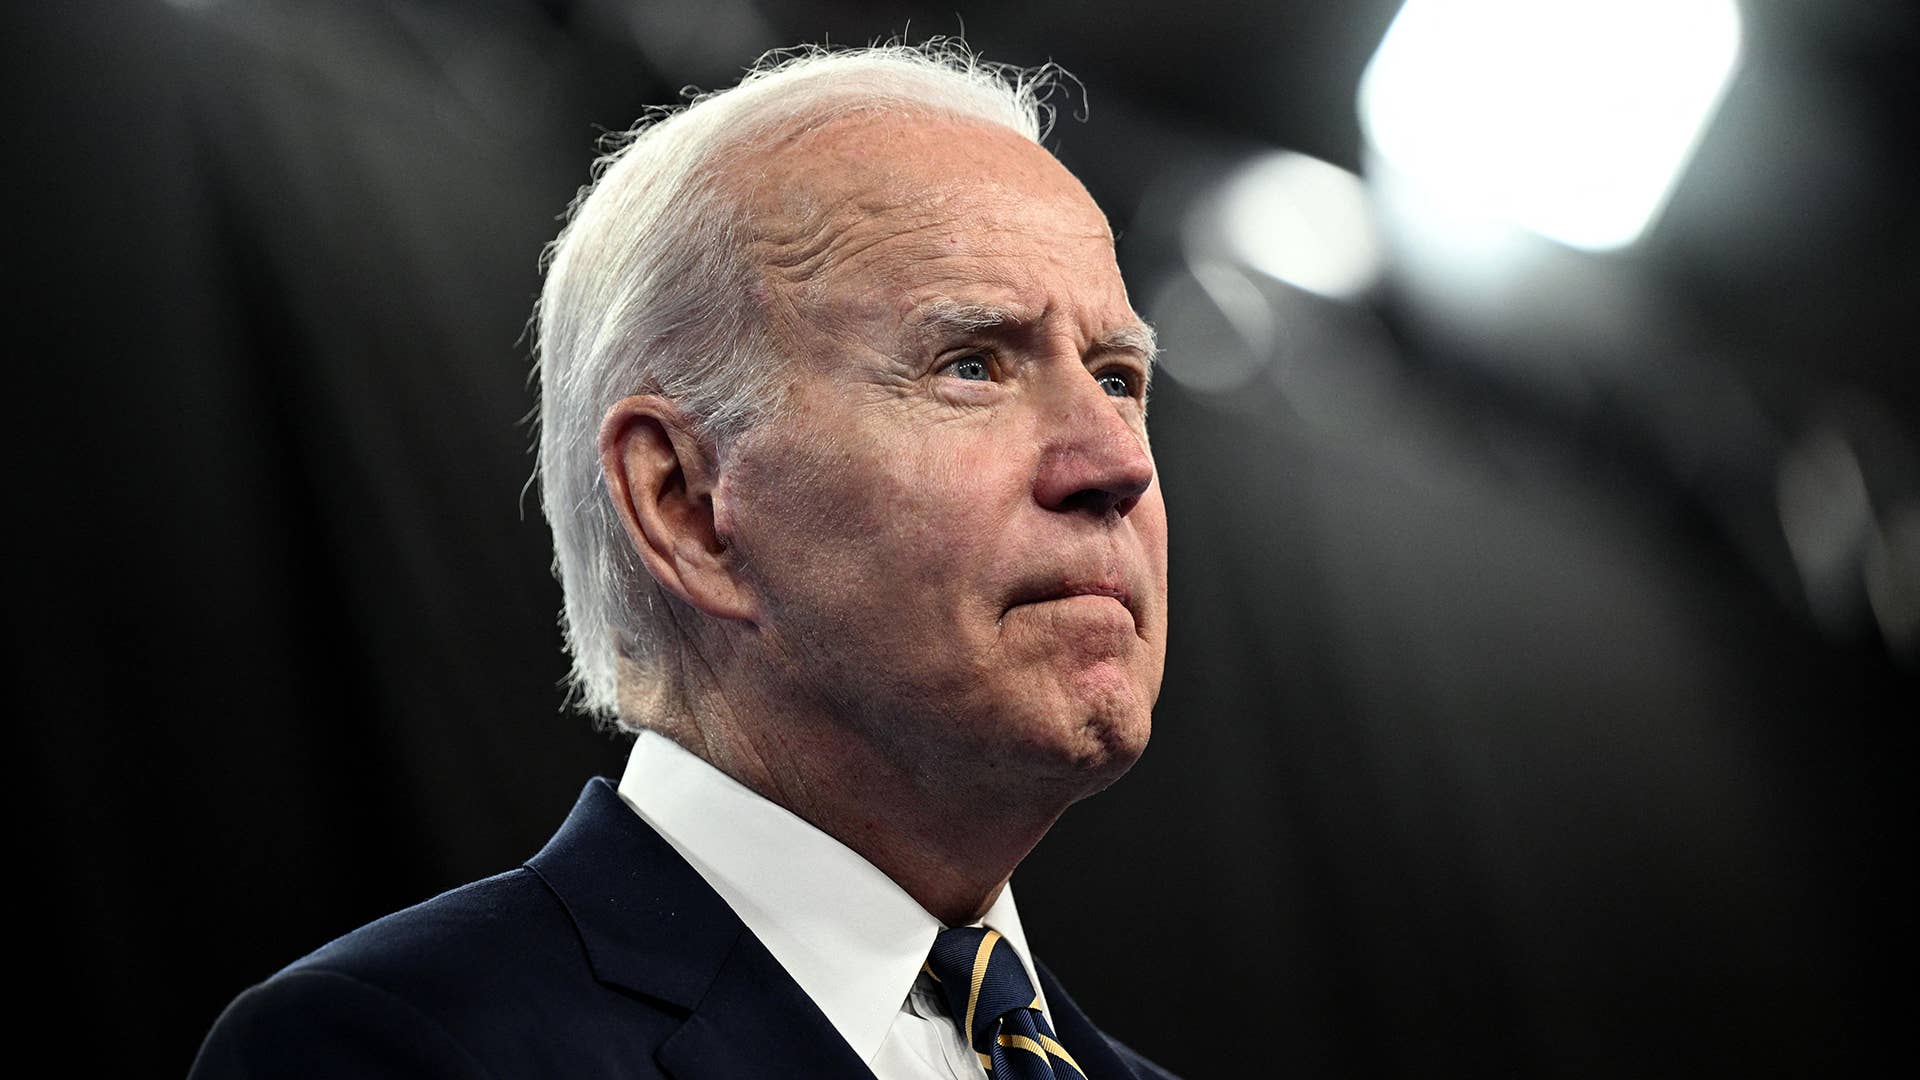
[848,934]
[650,925]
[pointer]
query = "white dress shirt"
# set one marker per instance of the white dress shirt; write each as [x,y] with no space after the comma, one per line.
[850,937]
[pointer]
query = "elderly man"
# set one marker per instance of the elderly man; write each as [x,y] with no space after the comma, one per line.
[844,450]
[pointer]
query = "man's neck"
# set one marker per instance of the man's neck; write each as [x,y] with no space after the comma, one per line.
[952,847]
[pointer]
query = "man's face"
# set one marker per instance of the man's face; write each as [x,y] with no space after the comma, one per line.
[955,530]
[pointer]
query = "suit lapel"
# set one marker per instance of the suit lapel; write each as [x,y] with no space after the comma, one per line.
[651,925]
[1085,1042]
[755,1021]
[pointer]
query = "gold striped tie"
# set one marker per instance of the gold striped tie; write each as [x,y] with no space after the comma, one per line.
[994,1002]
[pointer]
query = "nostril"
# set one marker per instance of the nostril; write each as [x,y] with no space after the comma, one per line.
[1097,461]
[1097,486]
[1099,502]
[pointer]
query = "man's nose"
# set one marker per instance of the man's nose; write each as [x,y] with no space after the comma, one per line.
[1094,459]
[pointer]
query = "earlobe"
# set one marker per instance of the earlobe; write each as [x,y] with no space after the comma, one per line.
[660,477]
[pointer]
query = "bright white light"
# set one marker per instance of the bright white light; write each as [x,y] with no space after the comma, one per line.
[1302,221]
[1572,118]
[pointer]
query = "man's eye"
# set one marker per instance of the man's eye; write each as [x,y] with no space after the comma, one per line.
[1115,384]
[970,368]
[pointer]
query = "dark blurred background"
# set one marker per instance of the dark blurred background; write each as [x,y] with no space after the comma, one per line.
[1543,674]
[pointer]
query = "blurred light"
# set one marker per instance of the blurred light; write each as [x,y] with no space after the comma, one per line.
[1827,518]
[704,41]
[1216,327]
[1302,221]
[1571,118]
[1893,581]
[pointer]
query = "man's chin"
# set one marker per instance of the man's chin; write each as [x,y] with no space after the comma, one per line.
[1092,744]
[1122,740]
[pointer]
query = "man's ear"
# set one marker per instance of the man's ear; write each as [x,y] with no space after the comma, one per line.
[661,477]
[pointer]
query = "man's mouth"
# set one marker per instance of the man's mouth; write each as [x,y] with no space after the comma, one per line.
[1071,588]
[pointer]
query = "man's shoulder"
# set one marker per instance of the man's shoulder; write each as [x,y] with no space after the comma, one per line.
[448,987]
[461,943]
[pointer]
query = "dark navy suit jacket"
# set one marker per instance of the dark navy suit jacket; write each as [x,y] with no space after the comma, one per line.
[606,955]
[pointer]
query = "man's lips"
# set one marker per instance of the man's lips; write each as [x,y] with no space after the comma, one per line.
[1043,592]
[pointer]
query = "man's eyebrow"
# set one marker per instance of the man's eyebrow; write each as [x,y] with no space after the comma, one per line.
[1137,338]
[954,317]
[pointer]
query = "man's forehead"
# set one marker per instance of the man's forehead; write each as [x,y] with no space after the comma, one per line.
[881,142]
[939,316]
[905,163]
[916,225]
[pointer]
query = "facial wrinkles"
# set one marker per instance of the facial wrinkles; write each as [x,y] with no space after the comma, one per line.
[1046,317]
[865,531]
[840,259]
[849,251]
[793,244]
[825,190]
[861,268]
[796,250]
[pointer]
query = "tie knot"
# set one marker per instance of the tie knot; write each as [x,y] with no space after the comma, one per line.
[982,979]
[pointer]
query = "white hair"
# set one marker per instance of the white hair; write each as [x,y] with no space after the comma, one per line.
[646,292]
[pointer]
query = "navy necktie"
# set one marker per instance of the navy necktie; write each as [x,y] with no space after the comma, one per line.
[994,1003]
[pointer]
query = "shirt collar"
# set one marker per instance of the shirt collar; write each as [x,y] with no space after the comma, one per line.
[851,937]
